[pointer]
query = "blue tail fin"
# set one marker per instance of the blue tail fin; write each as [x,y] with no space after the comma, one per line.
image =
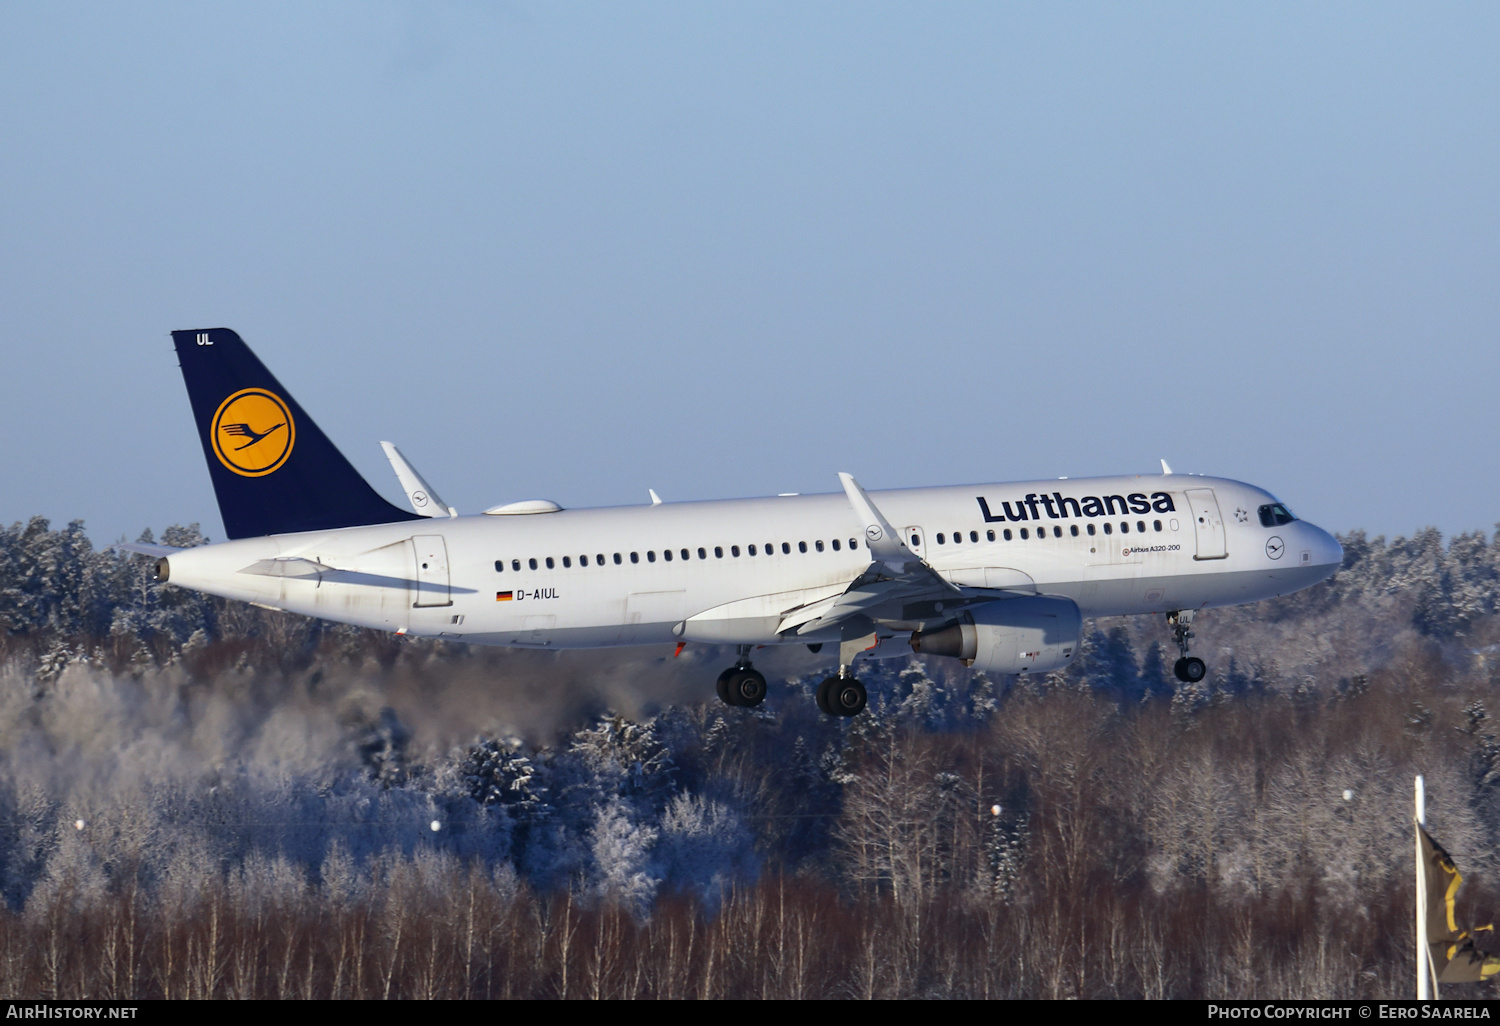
[274,471]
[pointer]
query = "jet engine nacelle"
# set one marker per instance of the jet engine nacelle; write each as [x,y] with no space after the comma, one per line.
[1027,634]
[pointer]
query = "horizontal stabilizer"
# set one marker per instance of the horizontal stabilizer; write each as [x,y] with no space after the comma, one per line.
[294,567]
[142,549]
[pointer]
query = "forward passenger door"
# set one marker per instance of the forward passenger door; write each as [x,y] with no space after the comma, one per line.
[1208,525]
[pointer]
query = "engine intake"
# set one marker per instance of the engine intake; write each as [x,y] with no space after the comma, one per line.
[1027,634]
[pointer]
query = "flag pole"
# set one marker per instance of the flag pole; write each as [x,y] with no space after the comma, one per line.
[1423,984]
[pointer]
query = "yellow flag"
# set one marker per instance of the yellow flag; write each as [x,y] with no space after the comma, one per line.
[1455,956]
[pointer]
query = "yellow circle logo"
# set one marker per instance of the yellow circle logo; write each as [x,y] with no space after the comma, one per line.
[253,432]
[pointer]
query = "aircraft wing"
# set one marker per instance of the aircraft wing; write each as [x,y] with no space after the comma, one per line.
[895,578]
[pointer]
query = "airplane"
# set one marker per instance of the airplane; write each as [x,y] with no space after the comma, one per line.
[1000,576]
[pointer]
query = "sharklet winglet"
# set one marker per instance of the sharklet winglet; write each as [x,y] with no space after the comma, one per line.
[424,501]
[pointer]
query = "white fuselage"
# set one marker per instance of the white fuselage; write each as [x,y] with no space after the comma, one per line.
[727,571]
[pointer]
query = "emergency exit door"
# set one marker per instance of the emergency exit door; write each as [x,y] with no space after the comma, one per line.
[916,540]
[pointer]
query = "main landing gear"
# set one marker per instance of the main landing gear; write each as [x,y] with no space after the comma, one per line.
[1188,669]
[742,684]
[842,696]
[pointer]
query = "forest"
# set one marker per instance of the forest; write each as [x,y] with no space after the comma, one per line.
[203,799]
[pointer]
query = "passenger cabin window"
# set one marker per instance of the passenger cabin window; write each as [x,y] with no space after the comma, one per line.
[666,554]
[853,544]
[1156,524]
[583,561]
[686,554]
[1275,515]
[651,555]
[568,561]
[617,559]
[718,552]
[835,545]
[531,563]
[940,538]
[1007,534]
[802,546]
[734,550]
[973,536]
[702,553]
[635,557]
[1073,530]
[750,549]
[1091,530]
[499,566]
[990,535]
[819,545]
[786,548]
[549,563]
[1124,527]
[599,558]
[1140,526]
[1024,535]
[1108,529]
[515,564]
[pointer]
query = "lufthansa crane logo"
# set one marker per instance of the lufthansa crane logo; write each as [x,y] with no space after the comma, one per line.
[253,432]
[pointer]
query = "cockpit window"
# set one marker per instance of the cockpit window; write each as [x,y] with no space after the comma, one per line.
[1275,515]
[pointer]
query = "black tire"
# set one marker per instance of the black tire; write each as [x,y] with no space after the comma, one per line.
[748,688]
[1178,671]
[1193,669]
[847,697]
[825,691]
[724,694]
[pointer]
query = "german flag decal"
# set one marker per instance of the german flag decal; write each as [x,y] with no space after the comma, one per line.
[504,596]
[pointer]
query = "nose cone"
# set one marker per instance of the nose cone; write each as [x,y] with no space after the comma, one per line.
[1326,550]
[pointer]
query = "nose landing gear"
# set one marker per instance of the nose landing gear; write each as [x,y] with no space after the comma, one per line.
[1188,669]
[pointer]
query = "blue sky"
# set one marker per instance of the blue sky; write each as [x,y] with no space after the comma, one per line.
[575,251]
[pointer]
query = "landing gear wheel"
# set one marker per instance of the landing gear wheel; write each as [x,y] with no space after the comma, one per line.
[847,697]
[825,691]
[724,695]
[1189,669]
[747,688]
